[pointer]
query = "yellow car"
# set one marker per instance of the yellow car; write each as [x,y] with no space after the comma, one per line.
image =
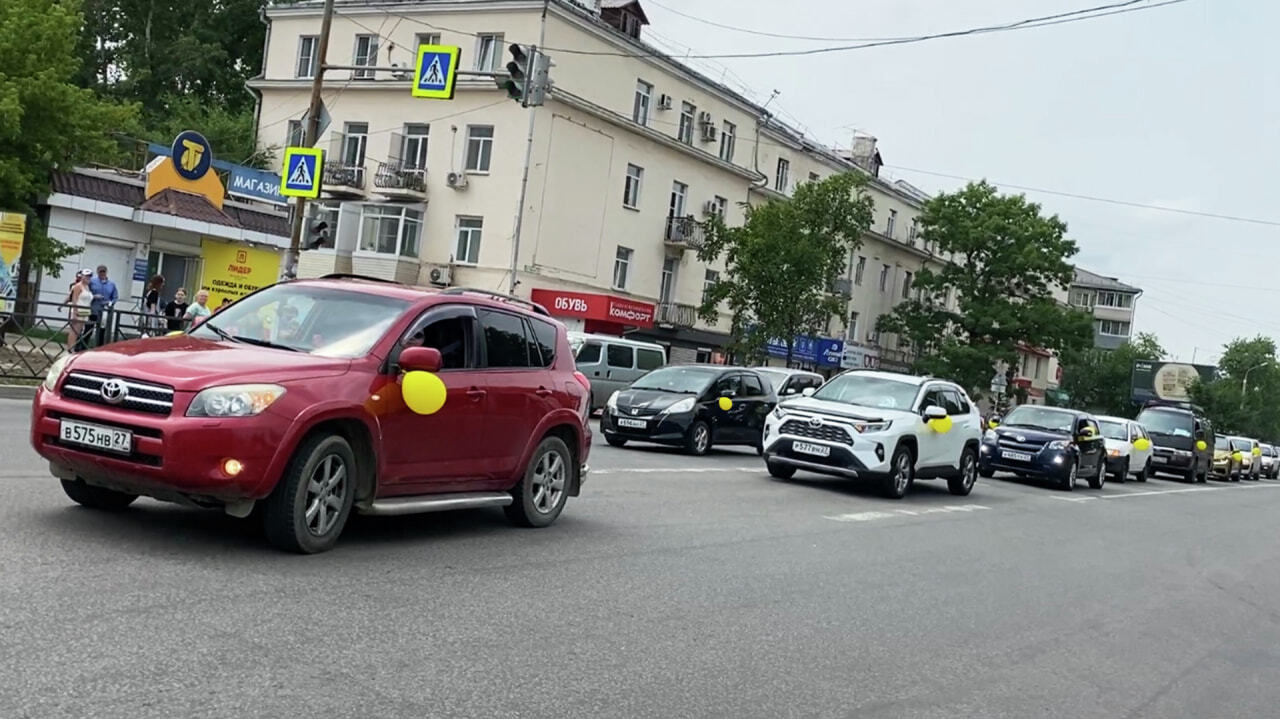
[1225,465]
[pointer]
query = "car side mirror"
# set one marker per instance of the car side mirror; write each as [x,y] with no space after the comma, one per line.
[728,393]
[807,391]
[789,390]
[420,359]
[933,411]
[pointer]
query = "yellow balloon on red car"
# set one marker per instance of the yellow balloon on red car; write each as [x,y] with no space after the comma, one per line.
[423,392]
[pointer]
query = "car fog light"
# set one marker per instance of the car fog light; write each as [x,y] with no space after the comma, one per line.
[880,451]
[1057,459]
[984,449]
[232,467]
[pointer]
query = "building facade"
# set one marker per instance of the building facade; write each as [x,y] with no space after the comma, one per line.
[1112,304]
[629,156]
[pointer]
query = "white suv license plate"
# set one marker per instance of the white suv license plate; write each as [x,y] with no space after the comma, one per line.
[817,450]
[632,423]
[1016,456]
[95,435]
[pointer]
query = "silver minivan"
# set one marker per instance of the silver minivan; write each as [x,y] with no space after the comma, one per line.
[611,363]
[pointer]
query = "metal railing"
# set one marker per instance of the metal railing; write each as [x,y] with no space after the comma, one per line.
[392,175]
[684,232]
[672,313]
[337,175]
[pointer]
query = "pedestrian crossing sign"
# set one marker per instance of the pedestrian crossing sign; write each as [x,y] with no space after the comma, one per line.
[435,71]
[302,168]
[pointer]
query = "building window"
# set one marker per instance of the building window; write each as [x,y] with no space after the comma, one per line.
[1113,328]
[813,177]
[644,99]
[709,280]
[390,230]
[667,286]
[906,285]
[425,38]
[488,51]
[295,138]
[728,138]
[631,187]
[1114,299]
[782,177]
[328,214]
[413,146]
[355,137]
[687,112]
[1039,368]
[914,230]
[469,231]
[852,327]
[366,55]
[720,205]
[873,335]
[307,59]
[859,271]
[891,224]
[884,278]
[679,191]
[1082,298]
[622,267]
[479,147]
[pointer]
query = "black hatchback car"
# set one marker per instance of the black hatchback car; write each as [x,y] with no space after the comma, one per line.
[1057,444]
[690,406]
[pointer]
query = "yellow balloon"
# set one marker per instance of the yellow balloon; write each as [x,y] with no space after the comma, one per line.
[992,424]
[175,333]
[1238,456]
[941,425]
[725,403]
[1142,444]
[1200,445]
[1257,451]
[423,392]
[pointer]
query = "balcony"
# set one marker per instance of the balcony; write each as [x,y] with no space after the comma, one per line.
[676,315]
[395,181]
[343,180]
[684,233]
[842,286]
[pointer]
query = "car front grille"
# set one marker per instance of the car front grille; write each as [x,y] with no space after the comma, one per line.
[1032,447]
[824,432]
[137,396]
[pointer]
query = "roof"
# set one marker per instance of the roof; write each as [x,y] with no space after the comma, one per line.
[785,370]
[619,4]
[1085,278]
[185,204]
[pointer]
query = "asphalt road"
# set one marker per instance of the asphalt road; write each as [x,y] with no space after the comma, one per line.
[674,587]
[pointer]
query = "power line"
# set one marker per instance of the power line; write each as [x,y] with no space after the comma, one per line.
[1093,198]
[1153,278]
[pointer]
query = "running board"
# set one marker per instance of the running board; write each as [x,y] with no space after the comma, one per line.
[435,503]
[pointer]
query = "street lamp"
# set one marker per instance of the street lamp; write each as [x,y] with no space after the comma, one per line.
[1244,383]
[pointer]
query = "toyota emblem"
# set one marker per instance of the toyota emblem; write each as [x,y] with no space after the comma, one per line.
[1021,438]
[815,421]
[114,391]
[635,411]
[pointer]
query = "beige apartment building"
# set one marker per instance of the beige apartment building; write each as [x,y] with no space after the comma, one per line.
[630,154]
[1112,304]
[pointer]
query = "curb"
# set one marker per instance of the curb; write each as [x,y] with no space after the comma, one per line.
[17,391]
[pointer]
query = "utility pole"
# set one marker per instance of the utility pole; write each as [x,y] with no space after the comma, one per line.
[524,179]
[309,140]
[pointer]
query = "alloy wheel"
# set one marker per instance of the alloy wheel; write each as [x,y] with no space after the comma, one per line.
[548,482]
[701,437]
[326,491]
[969,471]
[902,472]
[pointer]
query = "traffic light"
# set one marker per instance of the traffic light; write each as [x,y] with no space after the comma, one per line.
[540,80]
[318,234]
[519,72]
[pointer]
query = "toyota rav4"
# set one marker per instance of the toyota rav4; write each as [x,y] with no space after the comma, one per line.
[311,398]
[892,428]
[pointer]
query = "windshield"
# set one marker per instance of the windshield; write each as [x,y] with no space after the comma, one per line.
[1221,444]
[1174,424]
[1241,445]
[685,380]
[1114,430]
[1052,420]
[868,391]
[317,320]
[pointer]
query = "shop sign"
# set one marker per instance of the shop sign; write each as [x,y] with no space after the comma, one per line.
[591,306]
[13,228]
[233,270]
[813,350]
[858,357]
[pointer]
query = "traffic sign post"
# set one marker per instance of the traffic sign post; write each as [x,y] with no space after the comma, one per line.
[436,71]
[301,177]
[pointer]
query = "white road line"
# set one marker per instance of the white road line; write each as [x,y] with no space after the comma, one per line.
[1159,491]
[874,515]
[1074,499]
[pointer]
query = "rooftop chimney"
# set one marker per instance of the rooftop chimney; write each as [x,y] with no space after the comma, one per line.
[865,155]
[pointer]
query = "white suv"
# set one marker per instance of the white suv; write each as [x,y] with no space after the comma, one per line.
[893,428]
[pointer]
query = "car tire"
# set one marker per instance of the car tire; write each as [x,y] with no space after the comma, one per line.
[901,473]
[1099,480]
[1123,473]
[962,485]
[1144,474]
[615,441]
[309,506]
[1204,476]
[1068,481]
[987,473]
[540,495]
[697,441]
[93,497]
[780,471]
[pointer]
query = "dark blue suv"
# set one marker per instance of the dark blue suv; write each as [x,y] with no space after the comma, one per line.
[1057,444]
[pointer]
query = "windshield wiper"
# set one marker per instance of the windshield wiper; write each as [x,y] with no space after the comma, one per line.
[262,343]
[219,331]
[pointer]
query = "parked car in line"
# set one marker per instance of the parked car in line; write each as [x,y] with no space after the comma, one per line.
[1183,440]
[1050,442]
[695,407]
[1270,461]
[611,363]
[1226,464]
[1128,448]
[315,398]
[876,425]
[1250,459]
[790,382]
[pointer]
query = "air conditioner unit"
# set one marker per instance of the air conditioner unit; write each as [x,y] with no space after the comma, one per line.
[704,118]
[401,72]
[664,102]
[709,133]
[710,207]
[440,275]
[456,180]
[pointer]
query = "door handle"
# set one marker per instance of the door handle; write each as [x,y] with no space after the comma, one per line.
[475,394]
[543,392]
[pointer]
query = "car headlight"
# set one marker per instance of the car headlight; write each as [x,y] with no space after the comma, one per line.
[612,402]
[1113,453]
[990,435]
[236,400]
[684,405]
[55,371]
[1181,453]
[1059,444]
[871,427]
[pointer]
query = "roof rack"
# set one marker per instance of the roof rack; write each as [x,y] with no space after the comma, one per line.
[498,296]
[351,276]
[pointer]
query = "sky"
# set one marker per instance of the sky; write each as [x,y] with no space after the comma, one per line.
[1176,106]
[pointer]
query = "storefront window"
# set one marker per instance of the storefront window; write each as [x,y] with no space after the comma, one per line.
[390,230]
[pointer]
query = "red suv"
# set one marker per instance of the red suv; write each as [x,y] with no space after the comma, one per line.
[291,400]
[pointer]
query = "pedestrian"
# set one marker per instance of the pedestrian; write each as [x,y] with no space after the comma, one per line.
[105,295]
[199,309]
[151,306]
[79,299]
[176,310]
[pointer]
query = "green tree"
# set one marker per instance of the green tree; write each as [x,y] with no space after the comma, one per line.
[46,121]
[1245,398]
[1099,380]
[1008,260]
[781,263]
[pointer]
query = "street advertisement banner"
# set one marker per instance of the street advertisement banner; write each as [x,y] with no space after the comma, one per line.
[233,270]
[821,351]
[1167,381]
[13,227]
